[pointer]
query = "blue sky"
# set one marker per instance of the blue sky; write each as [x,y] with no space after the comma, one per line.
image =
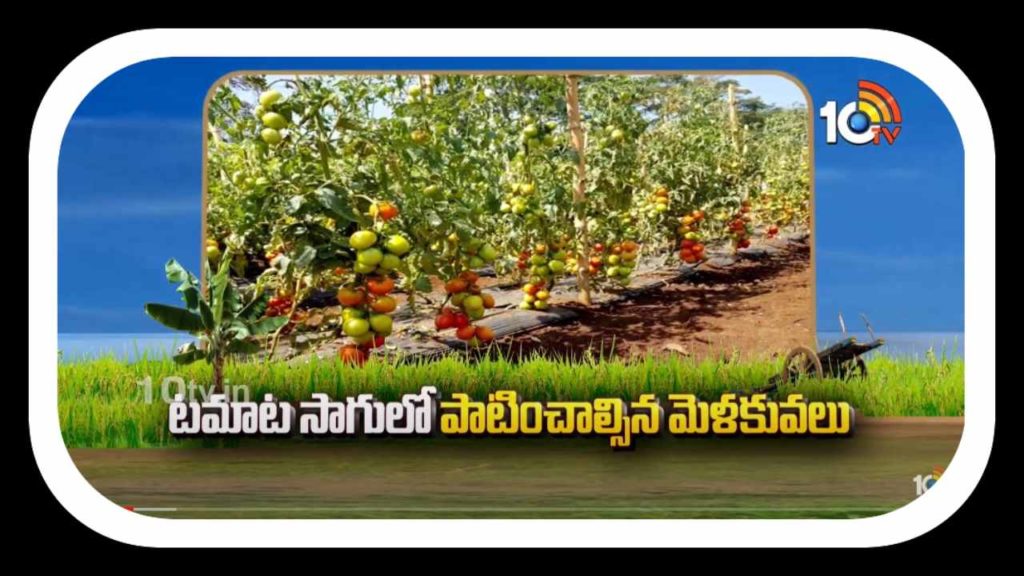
[888,220]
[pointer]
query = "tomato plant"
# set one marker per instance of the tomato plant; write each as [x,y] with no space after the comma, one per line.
[363,186]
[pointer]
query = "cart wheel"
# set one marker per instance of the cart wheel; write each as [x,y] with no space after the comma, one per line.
[801,361]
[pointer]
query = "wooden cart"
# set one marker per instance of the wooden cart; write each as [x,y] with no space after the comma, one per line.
[840,360]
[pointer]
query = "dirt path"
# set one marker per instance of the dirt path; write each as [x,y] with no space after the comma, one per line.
[754,308]
[867,474]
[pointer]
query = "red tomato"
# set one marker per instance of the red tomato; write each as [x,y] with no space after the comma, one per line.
[387,211]
[352,355]
[380,286]
[444,321]
[466,332]
[351,297]
[484,334]
[460,320]
[456,285]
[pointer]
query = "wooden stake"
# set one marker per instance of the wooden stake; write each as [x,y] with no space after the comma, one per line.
[733,124]
[579,193]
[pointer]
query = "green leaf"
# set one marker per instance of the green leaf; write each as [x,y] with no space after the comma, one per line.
[175,318]
[218,285]
[422,284]
[305,257]
[267,325]
[255,307]
[206,316]
[295,204]
[243,347]
[176,272]
[340,210]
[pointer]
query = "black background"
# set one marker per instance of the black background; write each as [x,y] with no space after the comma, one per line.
[35,516]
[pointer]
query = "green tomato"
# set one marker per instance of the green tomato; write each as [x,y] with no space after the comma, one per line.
[390,262]
[613,259]
[542,271]
[618,135]
[274,120]
[458,298]
[356,327]
[488,253]
[269,97]
[536,280]
[361,268]
[476,262]
[560,255]
[398,245]
[540,304]
[362,239]
[415,91]
[381,324]
[370,256]
[557,266]
[524,305]
[475,314]
[433,192]
[363,339]
[473,302]
[270,136]
[347,313]
[213,253]
[612,271]
[538,259]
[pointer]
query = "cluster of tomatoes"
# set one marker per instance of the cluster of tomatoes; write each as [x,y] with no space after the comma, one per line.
[618,260]
[534,133]
[543,264]
[366,316]
[281,305]
[478,253]
[273,122]
[740,228]
[655,204]
[468,303]
[691,248]
[367,303]
[517,200]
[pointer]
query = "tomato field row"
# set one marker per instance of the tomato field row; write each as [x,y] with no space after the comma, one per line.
[364,185]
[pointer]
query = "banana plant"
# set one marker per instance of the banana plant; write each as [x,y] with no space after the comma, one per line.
[224,321]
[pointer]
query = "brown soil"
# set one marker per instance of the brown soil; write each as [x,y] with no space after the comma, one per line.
[753,308]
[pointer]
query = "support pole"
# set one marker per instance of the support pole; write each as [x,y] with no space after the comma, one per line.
[579,192]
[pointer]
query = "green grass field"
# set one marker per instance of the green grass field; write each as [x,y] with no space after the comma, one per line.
[102,406]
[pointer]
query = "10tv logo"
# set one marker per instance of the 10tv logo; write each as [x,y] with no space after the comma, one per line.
[873,118]
[923,483]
